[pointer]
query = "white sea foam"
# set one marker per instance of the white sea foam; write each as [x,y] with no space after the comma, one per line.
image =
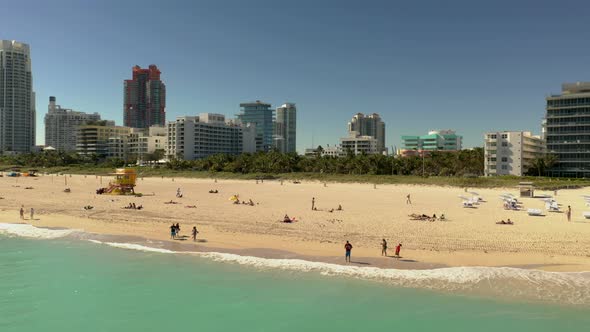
[559,287]
[571,287]
[133,246]
[31,231]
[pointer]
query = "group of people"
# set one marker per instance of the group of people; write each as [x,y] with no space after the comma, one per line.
[426,217]
[175,232]
[398,248]
[502,222]
[287,219]
[22,213]
[132,206]
[314,208]
[214,191]
[348,250]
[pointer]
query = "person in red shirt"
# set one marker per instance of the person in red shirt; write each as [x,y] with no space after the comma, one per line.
[348,248]
[397,249]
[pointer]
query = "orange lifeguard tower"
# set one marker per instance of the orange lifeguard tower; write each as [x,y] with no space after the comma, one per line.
[124,182]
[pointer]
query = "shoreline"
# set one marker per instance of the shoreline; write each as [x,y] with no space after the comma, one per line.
[258,246]
[525,284]
[470,237]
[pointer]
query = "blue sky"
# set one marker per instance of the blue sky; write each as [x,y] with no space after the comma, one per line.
[472,66]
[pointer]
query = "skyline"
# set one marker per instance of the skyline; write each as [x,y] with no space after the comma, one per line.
[421,66]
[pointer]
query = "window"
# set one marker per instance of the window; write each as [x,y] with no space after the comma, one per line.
[504,143]
[504,166]
[504,159]
[504,136]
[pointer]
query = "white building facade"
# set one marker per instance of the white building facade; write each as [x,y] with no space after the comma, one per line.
[61,126]
[195,137]
[360,144]
[285,135]
[511,152]
[17,99]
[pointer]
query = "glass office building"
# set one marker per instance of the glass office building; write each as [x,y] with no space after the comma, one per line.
[262,116]
[567,130]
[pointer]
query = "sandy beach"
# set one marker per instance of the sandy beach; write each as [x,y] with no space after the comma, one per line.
[469,236]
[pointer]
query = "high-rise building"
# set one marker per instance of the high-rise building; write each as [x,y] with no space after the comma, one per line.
[17,99]
[145,99]
[61,125]
[368,125]
[195,137]
[286,128]
[436,140]
[262,117]
[567,130]
[511,152]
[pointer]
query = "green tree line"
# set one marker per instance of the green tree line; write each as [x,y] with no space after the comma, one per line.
[466,162]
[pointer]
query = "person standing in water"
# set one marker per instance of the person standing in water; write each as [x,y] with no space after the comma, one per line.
[348,248]
[22,212]
[384,248]
[195,232]
[32,213]
[397,249]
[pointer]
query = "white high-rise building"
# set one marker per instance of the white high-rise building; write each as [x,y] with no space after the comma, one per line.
[195,137]
[368,125]
[61,126]
[17,99]
[285,137]
[511,152]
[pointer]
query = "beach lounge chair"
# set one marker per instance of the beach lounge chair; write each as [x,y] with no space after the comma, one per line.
[553,207]
[534,212]
[586,214]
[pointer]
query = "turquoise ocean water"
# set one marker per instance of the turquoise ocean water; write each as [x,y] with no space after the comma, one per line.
[68,284]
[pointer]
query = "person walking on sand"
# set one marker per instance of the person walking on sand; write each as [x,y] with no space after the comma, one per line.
[32,213]
[22,212]
[313,203]
[173,231]
[397,249]
[569,213]
[348,248]
[408,200]
[383,248]
[195,232]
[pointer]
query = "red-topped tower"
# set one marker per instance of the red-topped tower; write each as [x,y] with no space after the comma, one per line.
[145,99]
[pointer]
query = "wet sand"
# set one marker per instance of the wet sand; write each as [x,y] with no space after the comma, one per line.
[469,237]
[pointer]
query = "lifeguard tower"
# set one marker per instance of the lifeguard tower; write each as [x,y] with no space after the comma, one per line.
[123,184]
[527,189]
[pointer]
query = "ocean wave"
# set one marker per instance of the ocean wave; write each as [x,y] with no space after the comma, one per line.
[30,231]
[504,282]
[133,246]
